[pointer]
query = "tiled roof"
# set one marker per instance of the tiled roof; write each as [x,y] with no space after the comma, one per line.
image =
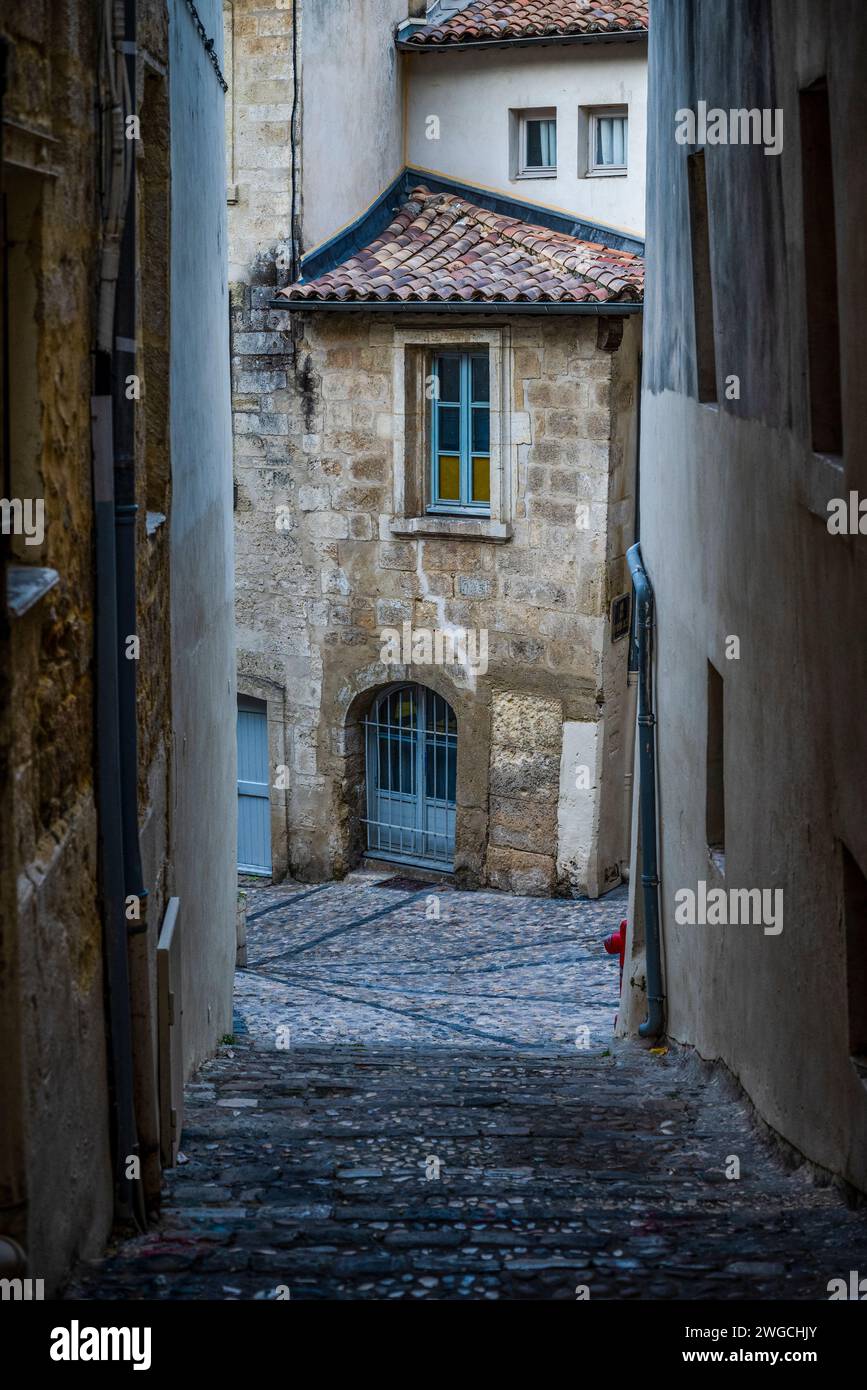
[440,248]
[501,20]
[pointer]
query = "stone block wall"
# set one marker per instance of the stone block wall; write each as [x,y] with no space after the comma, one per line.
[317,413]
[55,1166]
[526,743]
[55,1173]
[258,45]
[56,1181]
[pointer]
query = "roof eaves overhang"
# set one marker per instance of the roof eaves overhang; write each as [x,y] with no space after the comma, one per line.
[618,309]
[535,41]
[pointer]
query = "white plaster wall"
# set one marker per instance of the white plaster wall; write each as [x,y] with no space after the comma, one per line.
[203,816]
[578,808]
[472,94]
[352,124]
[735,542]
[773,1007]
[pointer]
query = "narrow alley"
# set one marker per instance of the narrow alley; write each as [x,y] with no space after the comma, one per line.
[433,566]
[434,1109]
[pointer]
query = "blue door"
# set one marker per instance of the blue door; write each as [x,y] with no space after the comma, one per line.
[411,750]
[254,801]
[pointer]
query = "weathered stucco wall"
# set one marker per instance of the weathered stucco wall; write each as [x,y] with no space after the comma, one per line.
[315,444]
[735,539]
[203,828]
[352,110]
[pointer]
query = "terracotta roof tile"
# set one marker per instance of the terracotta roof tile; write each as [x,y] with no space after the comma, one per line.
[487,20]
[441,247]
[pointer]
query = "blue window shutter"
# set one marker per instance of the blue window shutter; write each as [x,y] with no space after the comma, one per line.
[460,418]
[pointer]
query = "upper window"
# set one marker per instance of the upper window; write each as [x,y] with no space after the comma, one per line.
[609,142]
[537,144]
[820,255]
[702,282]
[461,433]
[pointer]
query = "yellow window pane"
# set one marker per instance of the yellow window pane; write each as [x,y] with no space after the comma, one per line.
[481,479]
[450,478]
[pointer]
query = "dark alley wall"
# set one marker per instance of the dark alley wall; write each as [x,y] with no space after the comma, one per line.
[59,1056]
[734,512]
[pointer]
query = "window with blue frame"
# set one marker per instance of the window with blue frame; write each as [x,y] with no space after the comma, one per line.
[461,433]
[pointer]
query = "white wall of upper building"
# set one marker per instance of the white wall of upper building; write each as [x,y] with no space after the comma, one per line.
[477,99]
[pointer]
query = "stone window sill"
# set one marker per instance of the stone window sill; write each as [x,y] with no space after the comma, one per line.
[473,528]
[824,480]
[26,585]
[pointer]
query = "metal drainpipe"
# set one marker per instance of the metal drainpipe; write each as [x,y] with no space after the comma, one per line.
[125,514]
[653,1025]
[126,511]
[109,799]
[294,259]
[112,868]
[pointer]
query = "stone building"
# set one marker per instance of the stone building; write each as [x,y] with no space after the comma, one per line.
[116,679]
[753,468]
[435,438]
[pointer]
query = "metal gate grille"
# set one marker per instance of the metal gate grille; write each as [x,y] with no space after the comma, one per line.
[411,741]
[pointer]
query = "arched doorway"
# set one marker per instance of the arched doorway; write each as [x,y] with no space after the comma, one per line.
[411,746]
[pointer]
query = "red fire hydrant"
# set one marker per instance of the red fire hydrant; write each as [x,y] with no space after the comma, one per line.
[615,945]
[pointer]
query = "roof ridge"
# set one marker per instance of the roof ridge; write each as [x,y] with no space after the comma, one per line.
[505,21]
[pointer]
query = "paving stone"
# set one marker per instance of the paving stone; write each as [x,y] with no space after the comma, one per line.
[404,1114]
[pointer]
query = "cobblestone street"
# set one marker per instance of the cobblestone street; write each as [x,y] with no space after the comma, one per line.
[426,1107]
[356,962]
